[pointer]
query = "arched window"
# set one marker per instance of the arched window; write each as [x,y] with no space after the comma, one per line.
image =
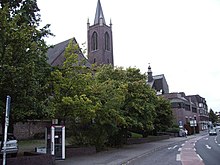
[94,41]
[107,41]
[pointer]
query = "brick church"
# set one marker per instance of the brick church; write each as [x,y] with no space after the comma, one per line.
[99,42]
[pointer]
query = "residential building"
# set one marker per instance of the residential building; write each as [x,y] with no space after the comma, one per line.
[202,110]
[191,111]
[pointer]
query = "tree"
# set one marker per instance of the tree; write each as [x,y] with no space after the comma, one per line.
[213,117]
[70,85]
[24,70]
[139,107]
[109,91]
[164,116]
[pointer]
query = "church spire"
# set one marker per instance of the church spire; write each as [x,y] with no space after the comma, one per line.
[99,16]
[149,73]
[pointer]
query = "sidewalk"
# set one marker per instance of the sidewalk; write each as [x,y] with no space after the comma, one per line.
[123,155]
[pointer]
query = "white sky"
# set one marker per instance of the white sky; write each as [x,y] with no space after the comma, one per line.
[179,38]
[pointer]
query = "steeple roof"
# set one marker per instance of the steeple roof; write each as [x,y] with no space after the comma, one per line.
[99,14]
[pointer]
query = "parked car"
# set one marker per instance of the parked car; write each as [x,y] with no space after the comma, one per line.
[212,132]
[11,145]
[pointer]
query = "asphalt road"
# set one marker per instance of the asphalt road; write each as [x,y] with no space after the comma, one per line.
[165,156]
[173,151]
[209,149]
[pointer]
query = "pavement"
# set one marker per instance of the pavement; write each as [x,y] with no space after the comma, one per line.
[124,155]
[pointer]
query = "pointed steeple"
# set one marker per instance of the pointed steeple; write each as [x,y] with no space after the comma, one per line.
[99,16]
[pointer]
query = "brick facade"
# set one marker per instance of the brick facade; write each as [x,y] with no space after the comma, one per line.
[29,129]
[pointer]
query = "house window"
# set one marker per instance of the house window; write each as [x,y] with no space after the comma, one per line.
[94,61]
[200,105]
[94,41]
[107,41]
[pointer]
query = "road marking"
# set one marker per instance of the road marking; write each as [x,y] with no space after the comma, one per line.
[180,149]
[199,157]
[208,146]
[178,157]
[172,147]
[216,140]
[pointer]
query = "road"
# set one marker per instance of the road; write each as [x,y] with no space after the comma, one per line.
[193,150]
[209,149]
[202,150]
[165,156]
[183,153]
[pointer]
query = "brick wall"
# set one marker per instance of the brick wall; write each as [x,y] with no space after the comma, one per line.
[28,129]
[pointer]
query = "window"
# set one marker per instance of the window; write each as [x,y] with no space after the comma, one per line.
[200,105]
[194,110]
[187,107]
[176,105]
[94,41]
[94,61]
[107,41]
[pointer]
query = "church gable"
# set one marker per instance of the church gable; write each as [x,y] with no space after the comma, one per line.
[56,54]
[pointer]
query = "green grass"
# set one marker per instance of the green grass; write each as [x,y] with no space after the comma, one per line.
[136,135]
[30,145]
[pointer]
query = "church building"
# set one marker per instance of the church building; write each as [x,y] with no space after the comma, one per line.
[157,82]
[99,42]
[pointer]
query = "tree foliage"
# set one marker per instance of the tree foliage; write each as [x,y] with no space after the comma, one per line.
[23,62]
[164,116]
[213,117]
[101,103]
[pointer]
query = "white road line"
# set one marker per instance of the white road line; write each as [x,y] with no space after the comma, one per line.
[208,146]
[180,149]
[199,157]
[216,140]
[178,157]
[174,146]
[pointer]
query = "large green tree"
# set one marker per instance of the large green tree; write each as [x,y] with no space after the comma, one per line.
[164,115]
[139,107]
[69,88]
[23,61]
[213,117]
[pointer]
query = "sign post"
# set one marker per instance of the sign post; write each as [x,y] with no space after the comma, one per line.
[8,101]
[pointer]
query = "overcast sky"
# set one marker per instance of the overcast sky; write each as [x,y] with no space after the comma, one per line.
[179,38]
